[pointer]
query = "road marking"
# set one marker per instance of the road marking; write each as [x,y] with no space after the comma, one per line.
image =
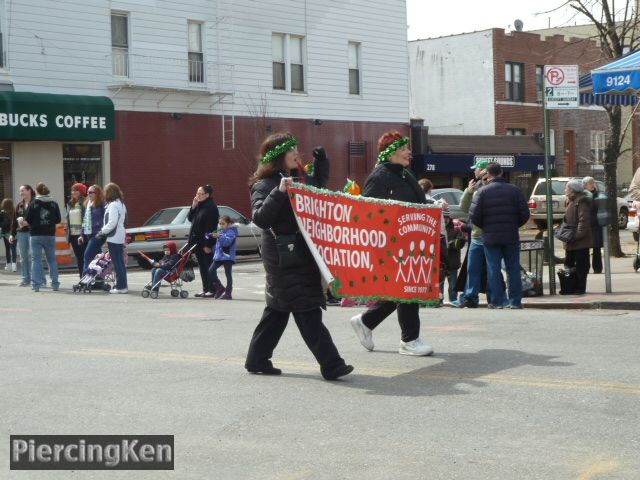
[15,309]
[550,383]
[299,475]
[598,468]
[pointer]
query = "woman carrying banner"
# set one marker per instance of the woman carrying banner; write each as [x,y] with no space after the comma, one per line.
[391,179]
[293,283]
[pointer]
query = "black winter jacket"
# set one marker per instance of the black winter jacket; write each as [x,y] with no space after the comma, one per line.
[42,216]
[204,219]
[499,209]
[393,182]
[292,289]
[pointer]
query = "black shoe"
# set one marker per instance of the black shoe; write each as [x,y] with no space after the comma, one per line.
[470,304]
[337,372]
[266,370]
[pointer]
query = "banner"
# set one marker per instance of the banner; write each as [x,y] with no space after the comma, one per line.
[371,248]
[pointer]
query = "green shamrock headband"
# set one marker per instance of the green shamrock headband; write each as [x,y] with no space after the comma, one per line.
[278,150]
[384,155]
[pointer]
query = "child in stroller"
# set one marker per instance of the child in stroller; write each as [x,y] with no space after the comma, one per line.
[170,268]
[99,274]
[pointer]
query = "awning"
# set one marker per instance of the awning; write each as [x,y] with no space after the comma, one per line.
[42,116]
[620,76]
[443,163]
[588,98]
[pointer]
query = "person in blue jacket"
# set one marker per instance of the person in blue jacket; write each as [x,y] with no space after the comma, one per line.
[224,255]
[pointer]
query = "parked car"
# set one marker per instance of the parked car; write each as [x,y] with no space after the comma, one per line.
[172,224]
[452,196]
[538,202]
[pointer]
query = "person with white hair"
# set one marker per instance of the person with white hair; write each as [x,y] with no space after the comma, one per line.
[591,189]
[578,213]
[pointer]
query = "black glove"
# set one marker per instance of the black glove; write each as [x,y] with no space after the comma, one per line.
[100,236]
[319,154]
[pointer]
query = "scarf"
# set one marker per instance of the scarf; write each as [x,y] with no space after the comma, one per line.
[86,221]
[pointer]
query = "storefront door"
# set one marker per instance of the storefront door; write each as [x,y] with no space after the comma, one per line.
[82,163]
[5,172]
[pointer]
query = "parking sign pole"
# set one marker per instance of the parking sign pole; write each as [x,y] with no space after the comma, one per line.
[547,176]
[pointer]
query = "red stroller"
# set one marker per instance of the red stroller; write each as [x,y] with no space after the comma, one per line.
[180,273]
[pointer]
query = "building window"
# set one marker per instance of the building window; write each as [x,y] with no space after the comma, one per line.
[120,44]
[539,82]
[354,68]
[516,131]
[195,55]
[514,81]
[598,145]
[288,57]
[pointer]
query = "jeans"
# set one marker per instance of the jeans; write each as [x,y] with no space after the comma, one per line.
[93,248]
[40,243]
[511,256]
[11,250]
[476,264]
[213,272]
[24,247]
[78,251]
[116,250]
[157,274]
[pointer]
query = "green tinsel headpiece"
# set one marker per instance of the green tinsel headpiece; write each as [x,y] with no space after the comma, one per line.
[279,150]
[384,155]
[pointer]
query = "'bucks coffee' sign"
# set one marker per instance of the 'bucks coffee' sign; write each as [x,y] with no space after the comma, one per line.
[38,116]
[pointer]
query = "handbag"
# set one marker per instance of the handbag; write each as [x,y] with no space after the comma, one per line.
[290,253]
[566,233]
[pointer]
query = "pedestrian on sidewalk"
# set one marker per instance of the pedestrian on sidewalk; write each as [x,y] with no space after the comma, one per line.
[224,256]
[578,213]
[92,223]
[591,189]
[500,209]
[113,230]
[21,233]
[43,216]
[392,179]
[293,283]
[75,214]
[7,221]
[204,218]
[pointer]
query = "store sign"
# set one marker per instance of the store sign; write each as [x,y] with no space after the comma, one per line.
[38,116]
[505,161]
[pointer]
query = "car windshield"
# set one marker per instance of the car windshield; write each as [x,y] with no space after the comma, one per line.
[557,187]
[168,216]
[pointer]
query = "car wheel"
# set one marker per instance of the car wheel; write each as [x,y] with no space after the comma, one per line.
[623,218]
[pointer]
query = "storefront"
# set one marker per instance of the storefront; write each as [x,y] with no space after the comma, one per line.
[452,168]
[55,139]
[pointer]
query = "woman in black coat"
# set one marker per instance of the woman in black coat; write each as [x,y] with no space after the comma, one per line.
[294,284]
[204,217]
[596,230]
[391,179]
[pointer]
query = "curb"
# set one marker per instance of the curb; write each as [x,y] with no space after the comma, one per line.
[597,305]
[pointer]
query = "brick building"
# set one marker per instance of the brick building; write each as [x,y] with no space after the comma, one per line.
[490,83]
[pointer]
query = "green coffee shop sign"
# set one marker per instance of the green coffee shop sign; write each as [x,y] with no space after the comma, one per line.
[42,116]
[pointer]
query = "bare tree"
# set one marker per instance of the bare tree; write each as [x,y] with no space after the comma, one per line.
[616,27]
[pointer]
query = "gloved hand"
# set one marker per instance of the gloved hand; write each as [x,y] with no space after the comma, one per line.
[100,236]
[319,154]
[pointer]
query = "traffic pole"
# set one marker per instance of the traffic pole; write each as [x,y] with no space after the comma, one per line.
[549,202]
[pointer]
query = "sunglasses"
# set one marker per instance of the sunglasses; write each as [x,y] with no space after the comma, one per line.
[91,191]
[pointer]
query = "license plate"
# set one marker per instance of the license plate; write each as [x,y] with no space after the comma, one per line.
[139,237]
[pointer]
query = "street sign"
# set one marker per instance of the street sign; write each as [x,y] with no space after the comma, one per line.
[561,85]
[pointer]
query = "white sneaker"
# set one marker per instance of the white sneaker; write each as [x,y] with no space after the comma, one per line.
[415,347]
[7,267]
[14,267]
[363,332]
[122,290]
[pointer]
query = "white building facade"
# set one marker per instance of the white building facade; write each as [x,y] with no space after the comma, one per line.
[195,86]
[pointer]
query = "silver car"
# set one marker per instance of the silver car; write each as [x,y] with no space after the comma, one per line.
[171,224]
[452,196]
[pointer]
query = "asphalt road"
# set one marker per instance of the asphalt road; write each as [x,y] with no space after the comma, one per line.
[508,394]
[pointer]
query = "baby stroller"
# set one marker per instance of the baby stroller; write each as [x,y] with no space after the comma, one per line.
[99,275]
[180,273]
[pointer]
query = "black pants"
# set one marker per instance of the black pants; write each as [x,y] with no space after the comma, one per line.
[78,251]
[596,260]
[408,317]
[271,327]
[11,250]
[204,263]
[580,260]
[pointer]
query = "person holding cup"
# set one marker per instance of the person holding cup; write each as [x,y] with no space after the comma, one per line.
[21,233]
